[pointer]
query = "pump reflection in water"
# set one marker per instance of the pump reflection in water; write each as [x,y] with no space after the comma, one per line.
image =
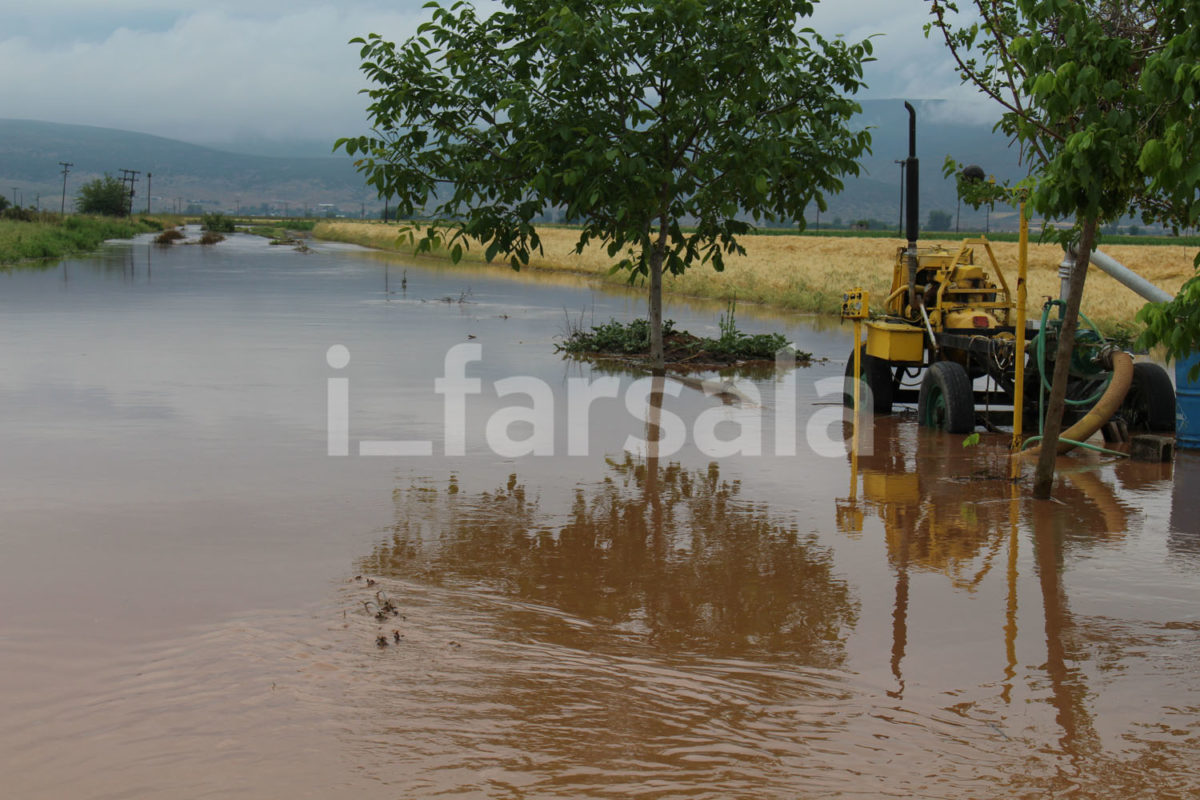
[950,509]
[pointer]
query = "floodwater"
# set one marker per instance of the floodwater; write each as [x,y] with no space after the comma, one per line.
[184,598]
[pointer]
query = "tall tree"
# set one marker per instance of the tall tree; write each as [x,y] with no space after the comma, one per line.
[1070,77]
[632,118]
[105,196]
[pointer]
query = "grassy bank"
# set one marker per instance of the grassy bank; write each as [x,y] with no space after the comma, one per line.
[52,237]
[810,273]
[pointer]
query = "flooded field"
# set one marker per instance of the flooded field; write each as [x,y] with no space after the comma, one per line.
[507,587]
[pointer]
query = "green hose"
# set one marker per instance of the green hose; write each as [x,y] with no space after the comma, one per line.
[1045,386]
[1084,445]
[1041,354]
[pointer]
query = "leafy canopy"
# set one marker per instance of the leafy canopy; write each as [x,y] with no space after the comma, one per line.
[1066,74]
[1103,96]
[1171,161]
[105,196]
[632,117]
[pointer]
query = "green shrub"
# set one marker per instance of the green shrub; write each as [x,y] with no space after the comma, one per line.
[632,338]
[735,344]
[614,337]
[217,223]
[105,196]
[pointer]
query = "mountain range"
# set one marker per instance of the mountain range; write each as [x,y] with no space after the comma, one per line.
[179,175]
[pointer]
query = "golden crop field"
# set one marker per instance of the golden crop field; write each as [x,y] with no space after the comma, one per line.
[809,273]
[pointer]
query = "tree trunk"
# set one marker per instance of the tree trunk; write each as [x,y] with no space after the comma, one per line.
[1043,480]
[658,363]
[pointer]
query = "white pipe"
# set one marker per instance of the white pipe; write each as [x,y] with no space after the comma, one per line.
[1130,278]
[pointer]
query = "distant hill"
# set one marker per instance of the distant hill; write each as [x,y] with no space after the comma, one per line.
[187,173]
[184,173]
[876,192]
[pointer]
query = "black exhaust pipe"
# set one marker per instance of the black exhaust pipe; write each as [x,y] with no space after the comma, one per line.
[912,181]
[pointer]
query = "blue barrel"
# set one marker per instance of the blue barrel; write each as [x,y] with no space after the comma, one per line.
[1187,404]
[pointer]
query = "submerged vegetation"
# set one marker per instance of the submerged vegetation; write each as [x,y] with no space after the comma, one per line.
[48,236]
[169,236]
[631,341]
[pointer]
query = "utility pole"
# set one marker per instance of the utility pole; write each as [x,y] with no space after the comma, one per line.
[129,177]
[15,204]
[66,167]
[149,175]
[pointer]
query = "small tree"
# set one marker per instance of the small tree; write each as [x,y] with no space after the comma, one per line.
[939,221]
[105,196]
[632,118]
[1072,78]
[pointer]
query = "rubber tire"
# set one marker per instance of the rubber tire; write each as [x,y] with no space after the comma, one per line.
[947,400]
[876,378]
[1149,407]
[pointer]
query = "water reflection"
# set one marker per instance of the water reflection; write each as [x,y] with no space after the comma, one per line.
[947,508]
[670,554]
[954,510]
[651,630]
[1184,537]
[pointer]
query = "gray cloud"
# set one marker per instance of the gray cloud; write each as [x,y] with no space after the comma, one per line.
[276,69]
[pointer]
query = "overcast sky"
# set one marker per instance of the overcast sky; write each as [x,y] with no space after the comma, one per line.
[282,69]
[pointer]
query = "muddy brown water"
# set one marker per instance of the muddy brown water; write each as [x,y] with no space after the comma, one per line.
[182,612]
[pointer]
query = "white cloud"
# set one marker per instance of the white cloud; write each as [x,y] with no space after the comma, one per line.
[210,75]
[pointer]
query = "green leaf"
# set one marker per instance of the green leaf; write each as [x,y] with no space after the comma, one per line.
[1153,156]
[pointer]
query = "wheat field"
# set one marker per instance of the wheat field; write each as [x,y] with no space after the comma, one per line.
[810,273]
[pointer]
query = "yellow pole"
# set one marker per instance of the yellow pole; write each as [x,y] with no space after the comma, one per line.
[1010,612]
[1019,385]
[857,384]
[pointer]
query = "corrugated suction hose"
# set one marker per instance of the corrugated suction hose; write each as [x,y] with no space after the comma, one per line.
[1108,405]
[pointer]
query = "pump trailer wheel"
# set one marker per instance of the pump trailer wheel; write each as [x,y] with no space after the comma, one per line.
[947,401]
[1149,407]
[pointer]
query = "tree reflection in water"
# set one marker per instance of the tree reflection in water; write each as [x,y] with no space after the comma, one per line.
[672,554]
